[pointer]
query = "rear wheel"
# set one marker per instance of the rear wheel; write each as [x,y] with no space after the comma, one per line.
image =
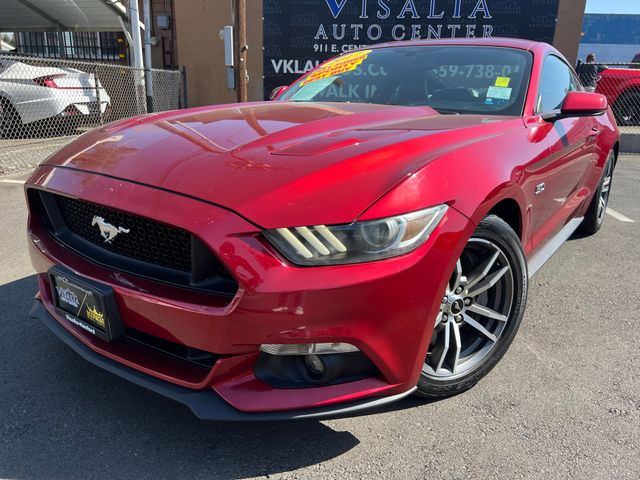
[597,209]
[9,119]
[480,313]
[627,109]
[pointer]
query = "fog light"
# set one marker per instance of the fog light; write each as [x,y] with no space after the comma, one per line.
[307,348]
[311,369]
[314,364]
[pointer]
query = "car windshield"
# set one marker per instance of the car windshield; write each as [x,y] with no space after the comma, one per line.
[450,79]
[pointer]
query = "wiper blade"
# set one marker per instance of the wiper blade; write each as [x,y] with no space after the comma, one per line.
[444,111]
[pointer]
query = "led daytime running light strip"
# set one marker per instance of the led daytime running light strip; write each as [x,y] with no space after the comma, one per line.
[309,236]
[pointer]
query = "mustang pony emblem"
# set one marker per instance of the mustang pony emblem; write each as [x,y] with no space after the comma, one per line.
[108,231]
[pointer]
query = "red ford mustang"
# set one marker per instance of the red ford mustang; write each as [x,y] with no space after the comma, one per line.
[367,235]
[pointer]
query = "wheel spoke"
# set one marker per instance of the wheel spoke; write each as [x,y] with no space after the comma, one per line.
[445,347]
[481,290]
[473,323]
[488,282]
[482,270]
[486,312]
[456,335]
[606,184]
[601,206]
[457,276]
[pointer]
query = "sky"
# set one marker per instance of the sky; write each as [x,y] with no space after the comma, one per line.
[613,6]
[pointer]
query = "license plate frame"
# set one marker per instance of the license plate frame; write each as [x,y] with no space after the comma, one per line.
[85,303]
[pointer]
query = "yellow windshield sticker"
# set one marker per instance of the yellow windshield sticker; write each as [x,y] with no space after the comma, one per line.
[343,64]
[502,81]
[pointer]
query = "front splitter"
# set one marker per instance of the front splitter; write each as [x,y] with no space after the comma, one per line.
[205,404]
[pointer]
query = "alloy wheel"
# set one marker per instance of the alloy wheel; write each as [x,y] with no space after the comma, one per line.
[603,200]
[474,312]
[630,115]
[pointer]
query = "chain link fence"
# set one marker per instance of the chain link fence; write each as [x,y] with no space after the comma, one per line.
[620,83]
[46,102]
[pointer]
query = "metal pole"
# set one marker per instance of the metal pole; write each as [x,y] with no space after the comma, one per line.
[61,45]
[241,49]
[134,27]
[185,97]
[136,46]
[146,9]
[97,87]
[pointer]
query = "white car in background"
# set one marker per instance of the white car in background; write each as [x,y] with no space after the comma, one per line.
[31,94]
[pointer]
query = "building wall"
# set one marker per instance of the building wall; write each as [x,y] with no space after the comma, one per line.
[163,53]
[612,38]
[199,48]
[569,28]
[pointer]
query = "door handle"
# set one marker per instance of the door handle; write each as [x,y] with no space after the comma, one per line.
[593,134]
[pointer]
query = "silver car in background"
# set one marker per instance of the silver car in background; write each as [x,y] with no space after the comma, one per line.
[35,96]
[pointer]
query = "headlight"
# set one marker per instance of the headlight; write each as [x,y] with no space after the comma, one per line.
[356,242]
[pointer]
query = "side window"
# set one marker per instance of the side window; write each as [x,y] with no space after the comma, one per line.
[575,83]
[557,80]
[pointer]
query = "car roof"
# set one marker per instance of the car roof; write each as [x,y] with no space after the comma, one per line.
[518,43]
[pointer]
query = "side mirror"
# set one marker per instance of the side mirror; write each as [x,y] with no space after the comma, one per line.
[583,104]
[277,91]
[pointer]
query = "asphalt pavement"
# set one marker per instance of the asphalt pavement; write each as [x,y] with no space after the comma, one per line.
[563,403]
[20,154]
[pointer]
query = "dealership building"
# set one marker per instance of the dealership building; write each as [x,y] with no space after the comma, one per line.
[285,38]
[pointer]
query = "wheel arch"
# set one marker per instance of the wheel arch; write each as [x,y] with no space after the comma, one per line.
[508,202]
[5,97]
[509,210]
[627,92]
[629,88]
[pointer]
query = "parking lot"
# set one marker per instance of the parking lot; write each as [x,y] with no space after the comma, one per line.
[19,154]
[564,402]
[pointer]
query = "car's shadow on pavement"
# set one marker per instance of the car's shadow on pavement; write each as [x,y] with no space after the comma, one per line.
[61,417]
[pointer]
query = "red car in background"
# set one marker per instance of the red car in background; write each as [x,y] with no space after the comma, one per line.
[621,86]
[367,235]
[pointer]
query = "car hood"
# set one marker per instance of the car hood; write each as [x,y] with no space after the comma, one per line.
[278,164]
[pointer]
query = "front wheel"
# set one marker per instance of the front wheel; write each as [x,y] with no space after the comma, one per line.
[480,313]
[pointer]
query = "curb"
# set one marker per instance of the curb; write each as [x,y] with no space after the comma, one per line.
[629,143]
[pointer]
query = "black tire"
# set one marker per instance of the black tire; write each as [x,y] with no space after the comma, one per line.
[10,124]
[497,233]
[626,110]
[107,115]
[66,126]
[594,217]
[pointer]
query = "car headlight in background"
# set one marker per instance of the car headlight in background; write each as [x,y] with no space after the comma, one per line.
[358,241]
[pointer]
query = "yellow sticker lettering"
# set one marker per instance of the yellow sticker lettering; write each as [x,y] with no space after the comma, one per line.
[345,63]
[502,81]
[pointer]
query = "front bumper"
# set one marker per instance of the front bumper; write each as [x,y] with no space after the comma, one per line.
[50,103]
[384,308]
[205,404]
